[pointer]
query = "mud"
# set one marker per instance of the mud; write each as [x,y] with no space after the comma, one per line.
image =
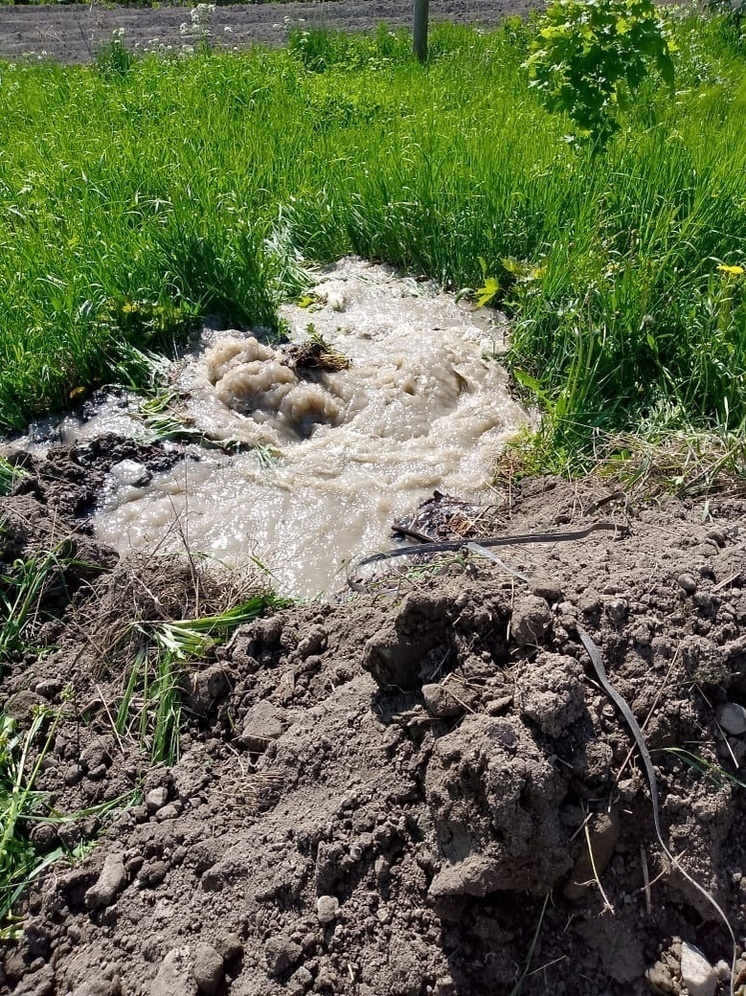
[74,33]
[327,831]
[387,389]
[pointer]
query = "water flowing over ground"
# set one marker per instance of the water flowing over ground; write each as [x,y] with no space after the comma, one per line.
[390,390]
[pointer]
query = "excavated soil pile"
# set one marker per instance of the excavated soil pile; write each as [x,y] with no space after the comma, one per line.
[376,795]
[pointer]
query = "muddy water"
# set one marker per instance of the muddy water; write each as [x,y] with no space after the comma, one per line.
[338,453]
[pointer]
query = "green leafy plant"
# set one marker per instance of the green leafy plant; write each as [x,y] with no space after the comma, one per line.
[713,772]
[592,55]
[114,59]
[734,12]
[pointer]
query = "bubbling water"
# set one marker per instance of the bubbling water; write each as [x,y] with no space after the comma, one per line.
[338,453]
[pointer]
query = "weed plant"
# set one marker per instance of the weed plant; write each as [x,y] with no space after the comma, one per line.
[138,196]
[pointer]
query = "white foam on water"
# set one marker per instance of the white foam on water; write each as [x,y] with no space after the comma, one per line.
[423,405]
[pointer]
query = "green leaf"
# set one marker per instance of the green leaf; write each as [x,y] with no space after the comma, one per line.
[487,292]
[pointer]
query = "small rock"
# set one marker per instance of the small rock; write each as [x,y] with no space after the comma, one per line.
[37,983]
[23,705]
[229,946]
[327,908]
[704,601]
[43,835]
[313,643]
[722,970]
[131,473]
[49,688]
[660,979]
[697,974]
[156,798]
[208,688]
[95,755]
[72,774]
[207,967]
[717,536]
[732,718]
[99,987]
[551,693]
[300,981]
[280,953]
[110,882]
[168,812]
[687,582]
[152,874]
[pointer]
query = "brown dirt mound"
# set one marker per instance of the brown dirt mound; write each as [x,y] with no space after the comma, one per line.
[327,831]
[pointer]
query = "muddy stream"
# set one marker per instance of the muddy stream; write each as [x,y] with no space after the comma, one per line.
[389,389]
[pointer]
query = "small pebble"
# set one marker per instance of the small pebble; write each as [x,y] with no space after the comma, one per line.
[156,798]
[207,968]
[280,953]
[169,812]
[110,882]
[732,718]
[616,610]
[72,774]
[327,908]
[697,974]
[49,688]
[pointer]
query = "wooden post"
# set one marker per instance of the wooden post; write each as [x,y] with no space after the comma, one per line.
[419,29]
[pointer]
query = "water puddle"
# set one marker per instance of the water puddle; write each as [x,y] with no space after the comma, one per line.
[392,389]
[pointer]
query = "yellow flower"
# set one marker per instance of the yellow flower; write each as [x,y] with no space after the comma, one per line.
[731,271]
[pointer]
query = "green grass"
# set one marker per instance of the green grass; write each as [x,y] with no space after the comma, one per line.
[135,197]
[24,587]
[22,754]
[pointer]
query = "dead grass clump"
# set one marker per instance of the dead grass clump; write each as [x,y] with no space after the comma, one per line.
[143,592]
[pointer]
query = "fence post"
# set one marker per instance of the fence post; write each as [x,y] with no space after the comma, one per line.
[419,29]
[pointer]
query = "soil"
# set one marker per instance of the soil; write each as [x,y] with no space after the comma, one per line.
[74,33]
[393,792]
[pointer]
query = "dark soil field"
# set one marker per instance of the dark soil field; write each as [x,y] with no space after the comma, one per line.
[396,792]
[74,33]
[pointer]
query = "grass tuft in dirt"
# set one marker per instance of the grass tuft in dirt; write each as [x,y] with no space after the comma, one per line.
[23,590]
[148,624]
[19,860]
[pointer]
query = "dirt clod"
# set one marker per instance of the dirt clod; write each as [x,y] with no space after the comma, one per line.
[110,882]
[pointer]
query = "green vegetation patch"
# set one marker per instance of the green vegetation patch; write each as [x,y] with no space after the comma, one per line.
[140,194]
